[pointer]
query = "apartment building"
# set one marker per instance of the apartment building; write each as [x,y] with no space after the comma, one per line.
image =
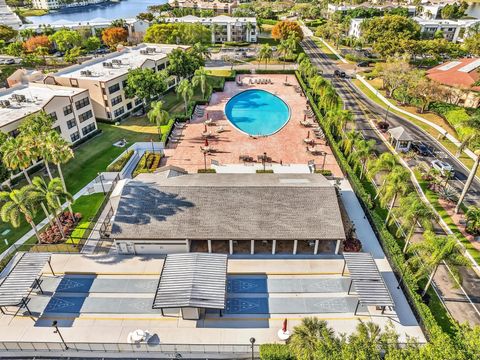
[58,4]
[453,30]
[227,28]
[70,107]
[218,7]
[105,78]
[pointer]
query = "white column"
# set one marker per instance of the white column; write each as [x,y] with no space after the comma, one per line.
[188,244]
[252,247]
[337,248]
[295,243]
[209,246]
[229,32]
[274,246]
[315,249]
[230,244]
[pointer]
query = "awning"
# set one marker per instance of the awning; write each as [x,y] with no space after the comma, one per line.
[367,281]
[16,285]
[192,280]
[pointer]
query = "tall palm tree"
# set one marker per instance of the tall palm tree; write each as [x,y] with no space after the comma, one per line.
[51,194]
[158,116]
[265,53]
[16,155]
[18,203]
[282,48]
[413,211]
[468,183]
[349,140]
[318,85]
[342,118]
[307,336]
[397,182]
[330,99]
[201,50]
[185,90]
[200,79]
[362,150]
[431,252]
[384,163]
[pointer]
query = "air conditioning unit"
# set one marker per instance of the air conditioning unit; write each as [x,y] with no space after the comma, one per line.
[117,61]
[19,97]
[107,64]
[150,50]
[143,52]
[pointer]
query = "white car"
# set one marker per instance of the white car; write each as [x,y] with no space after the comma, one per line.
[442,166]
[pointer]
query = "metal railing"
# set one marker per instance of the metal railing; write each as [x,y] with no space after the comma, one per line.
[230,351]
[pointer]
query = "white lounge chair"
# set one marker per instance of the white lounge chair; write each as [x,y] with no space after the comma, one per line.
[209,122]
[305,123]
[220,129]
[309,141]
[206,134]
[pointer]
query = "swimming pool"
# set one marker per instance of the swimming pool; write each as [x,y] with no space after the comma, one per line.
[257,112]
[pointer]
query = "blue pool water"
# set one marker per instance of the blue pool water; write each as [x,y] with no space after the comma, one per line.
[257,112]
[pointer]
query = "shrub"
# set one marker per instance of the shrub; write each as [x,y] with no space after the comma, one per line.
[275,352]
[148,163]
[118,165]
[267,171]
[324,172]
[167,130]
[236,43]
[206,171]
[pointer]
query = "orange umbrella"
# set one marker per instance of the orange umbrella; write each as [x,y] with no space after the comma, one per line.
[284,327]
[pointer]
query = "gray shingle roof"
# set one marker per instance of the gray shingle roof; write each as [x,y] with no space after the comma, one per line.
[399,133]
[229,206]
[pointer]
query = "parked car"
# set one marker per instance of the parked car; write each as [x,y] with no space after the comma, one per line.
[339,73]
[363,64]
[442,166]
[383,126]
[421,149]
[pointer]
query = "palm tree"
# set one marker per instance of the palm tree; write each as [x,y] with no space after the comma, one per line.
[51,194]
[200,79]
[16,155]
[473,220]
[330,99]
[16,203]
[349,140]
[470,131]
[318,85]
[397,182]
[307,336]
[413,211]
[158,116]
[282,48]
[201,50]
[342,118]
[265,53]
[185,90]
[431,252]
[468,183]
[384,163]
[362,151]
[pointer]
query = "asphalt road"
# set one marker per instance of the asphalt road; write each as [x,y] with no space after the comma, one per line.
[364,108]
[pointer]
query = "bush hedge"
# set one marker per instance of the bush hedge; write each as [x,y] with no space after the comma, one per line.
[148,163]
[206,171]
[118,165]
[275,352]
[166,131]
[267,171]
[324,172]
[387,240]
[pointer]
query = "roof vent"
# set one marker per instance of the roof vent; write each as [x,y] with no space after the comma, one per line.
[107,64]
[4,103]
[19,98]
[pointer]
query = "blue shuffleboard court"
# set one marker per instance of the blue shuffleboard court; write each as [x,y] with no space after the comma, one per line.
[247,305]
[65,304]
[75,284]
[236,285]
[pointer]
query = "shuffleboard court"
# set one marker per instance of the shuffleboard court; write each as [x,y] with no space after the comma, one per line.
[99,305]
[91,284]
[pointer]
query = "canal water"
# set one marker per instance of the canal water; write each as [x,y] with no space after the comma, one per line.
[110,10]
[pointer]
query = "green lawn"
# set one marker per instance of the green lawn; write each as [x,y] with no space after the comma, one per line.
[88,206]
[90,159]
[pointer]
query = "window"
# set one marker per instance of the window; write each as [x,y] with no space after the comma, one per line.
[161,67]
[85,116]
[57,129]
[113,88]
[124,83]
[75,136]
[71,123]
[53,115]
[82,103]
[129,106]
[118,112]
[138,101]
[88,129]
[67,110]
[117,100]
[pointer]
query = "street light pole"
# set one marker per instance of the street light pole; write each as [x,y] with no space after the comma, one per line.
[57,331]
[205,160]
[252,341]
[386,114]
[101,182]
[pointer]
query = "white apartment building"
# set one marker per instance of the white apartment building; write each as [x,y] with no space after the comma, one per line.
[58,4]
[333,8]
[70,107]
[105,78]
[227,28]
[453,30]
[218,7]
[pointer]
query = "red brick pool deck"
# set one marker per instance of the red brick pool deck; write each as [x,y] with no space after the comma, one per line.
[286,146]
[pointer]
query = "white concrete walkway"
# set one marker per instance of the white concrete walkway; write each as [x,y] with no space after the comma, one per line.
[371,244]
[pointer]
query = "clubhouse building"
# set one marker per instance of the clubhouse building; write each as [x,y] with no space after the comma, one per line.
[172,212]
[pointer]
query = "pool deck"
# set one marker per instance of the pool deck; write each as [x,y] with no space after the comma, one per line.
[285,147]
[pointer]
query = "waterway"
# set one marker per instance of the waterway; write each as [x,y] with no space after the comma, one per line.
[124,9]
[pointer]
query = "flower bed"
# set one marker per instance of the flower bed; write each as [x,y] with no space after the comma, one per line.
[53,235]
[148,163]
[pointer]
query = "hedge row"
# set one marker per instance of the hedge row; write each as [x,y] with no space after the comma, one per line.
[166,133]
[275,352]
[118,165]
[387,240]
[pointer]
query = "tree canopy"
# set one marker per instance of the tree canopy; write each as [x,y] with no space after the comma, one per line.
[35,42]
[114,36]
[7,33]
[66,39]
[283,29]
[178,33]
[145,83]
[183,63]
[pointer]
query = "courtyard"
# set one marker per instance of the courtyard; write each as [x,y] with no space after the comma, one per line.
[285,147]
